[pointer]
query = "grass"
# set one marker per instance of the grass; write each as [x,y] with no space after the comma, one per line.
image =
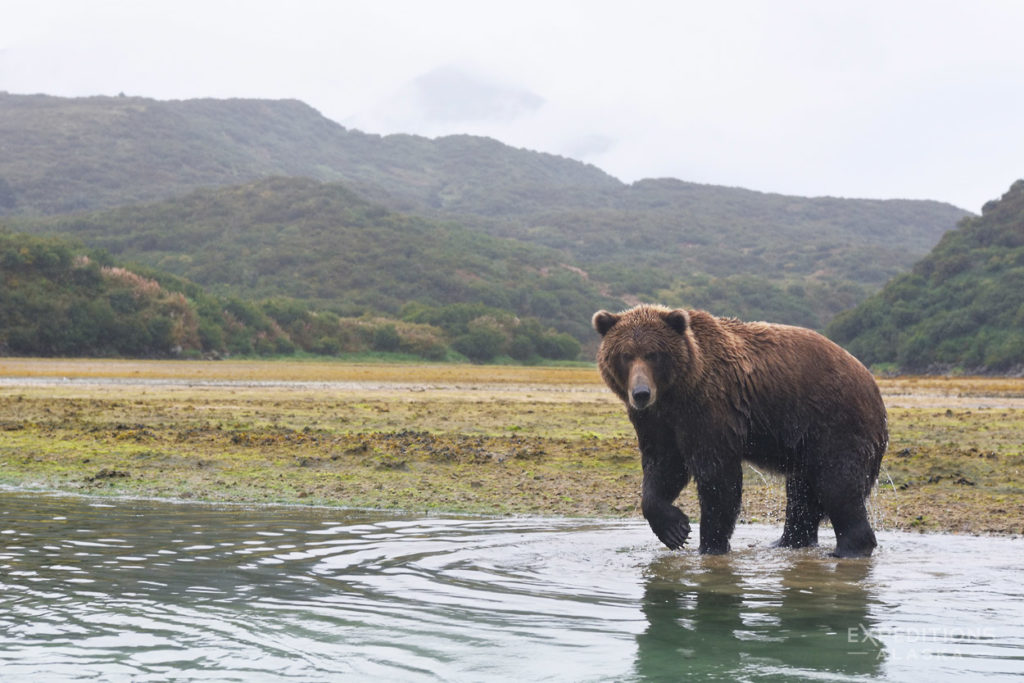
[460,438]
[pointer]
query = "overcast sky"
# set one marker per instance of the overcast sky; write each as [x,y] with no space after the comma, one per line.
[889,99]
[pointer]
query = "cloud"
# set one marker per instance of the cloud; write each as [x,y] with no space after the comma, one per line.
[917,99]
[452,95]
[449,99]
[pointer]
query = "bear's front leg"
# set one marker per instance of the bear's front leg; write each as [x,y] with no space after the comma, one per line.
[665,475]
[663,480]
[669,523]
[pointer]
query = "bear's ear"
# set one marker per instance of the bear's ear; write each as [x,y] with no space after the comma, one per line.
[604,321]
[678,320]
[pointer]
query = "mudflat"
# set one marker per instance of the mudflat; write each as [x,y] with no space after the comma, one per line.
[453,438]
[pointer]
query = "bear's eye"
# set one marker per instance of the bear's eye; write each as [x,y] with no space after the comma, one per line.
[623,362]
[654,356]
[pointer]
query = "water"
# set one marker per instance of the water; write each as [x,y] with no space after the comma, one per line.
[141,591]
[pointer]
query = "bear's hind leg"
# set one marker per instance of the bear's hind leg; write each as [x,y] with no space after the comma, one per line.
[842,486]
[849,515]
[854,536]
[719,491]
[803,515]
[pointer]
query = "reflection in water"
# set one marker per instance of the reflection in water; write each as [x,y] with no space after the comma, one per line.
[147,591]
[136,590]
[756,612]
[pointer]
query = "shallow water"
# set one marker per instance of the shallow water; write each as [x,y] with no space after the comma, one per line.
[142,590]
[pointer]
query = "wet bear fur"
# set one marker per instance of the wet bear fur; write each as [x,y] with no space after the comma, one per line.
[706,393]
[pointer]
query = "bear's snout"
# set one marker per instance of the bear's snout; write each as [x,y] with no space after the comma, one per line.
[641,396]
[641,387]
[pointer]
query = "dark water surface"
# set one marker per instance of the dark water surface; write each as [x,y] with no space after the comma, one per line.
[142,590]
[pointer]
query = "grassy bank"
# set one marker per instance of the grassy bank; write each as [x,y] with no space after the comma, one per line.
[453,438]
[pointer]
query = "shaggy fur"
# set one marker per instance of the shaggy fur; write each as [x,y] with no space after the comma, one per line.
[705,393]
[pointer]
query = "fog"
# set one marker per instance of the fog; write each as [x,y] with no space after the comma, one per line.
[875,99]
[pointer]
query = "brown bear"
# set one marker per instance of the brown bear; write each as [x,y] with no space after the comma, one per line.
[705,393]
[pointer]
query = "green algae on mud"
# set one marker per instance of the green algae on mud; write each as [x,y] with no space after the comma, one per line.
[956,470]
[548,441]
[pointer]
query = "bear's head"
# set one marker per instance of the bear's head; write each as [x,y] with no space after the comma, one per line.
[646,352]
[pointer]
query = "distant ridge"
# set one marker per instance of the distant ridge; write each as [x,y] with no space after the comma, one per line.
[734,251]
[67,154]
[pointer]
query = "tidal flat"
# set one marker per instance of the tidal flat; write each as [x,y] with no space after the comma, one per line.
[453,438]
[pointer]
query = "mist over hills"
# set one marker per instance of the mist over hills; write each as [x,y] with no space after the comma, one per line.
[68,154]
[384,221]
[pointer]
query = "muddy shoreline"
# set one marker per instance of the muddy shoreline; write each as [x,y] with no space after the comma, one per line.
[546,441]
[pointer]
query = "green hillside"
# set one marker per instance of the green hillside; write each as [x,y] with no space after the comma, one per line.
[962,306]
[58,298]
[745,253]
[729,250]
[322,245]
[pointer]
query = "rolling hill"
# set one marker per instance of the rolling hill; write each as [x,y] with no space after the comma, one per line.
[68,154]
[961,308]
[729,250]
[59,298]
[326,247]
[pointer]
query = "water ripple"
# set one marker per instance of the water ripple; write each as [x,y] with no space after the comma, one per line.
[148,591]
